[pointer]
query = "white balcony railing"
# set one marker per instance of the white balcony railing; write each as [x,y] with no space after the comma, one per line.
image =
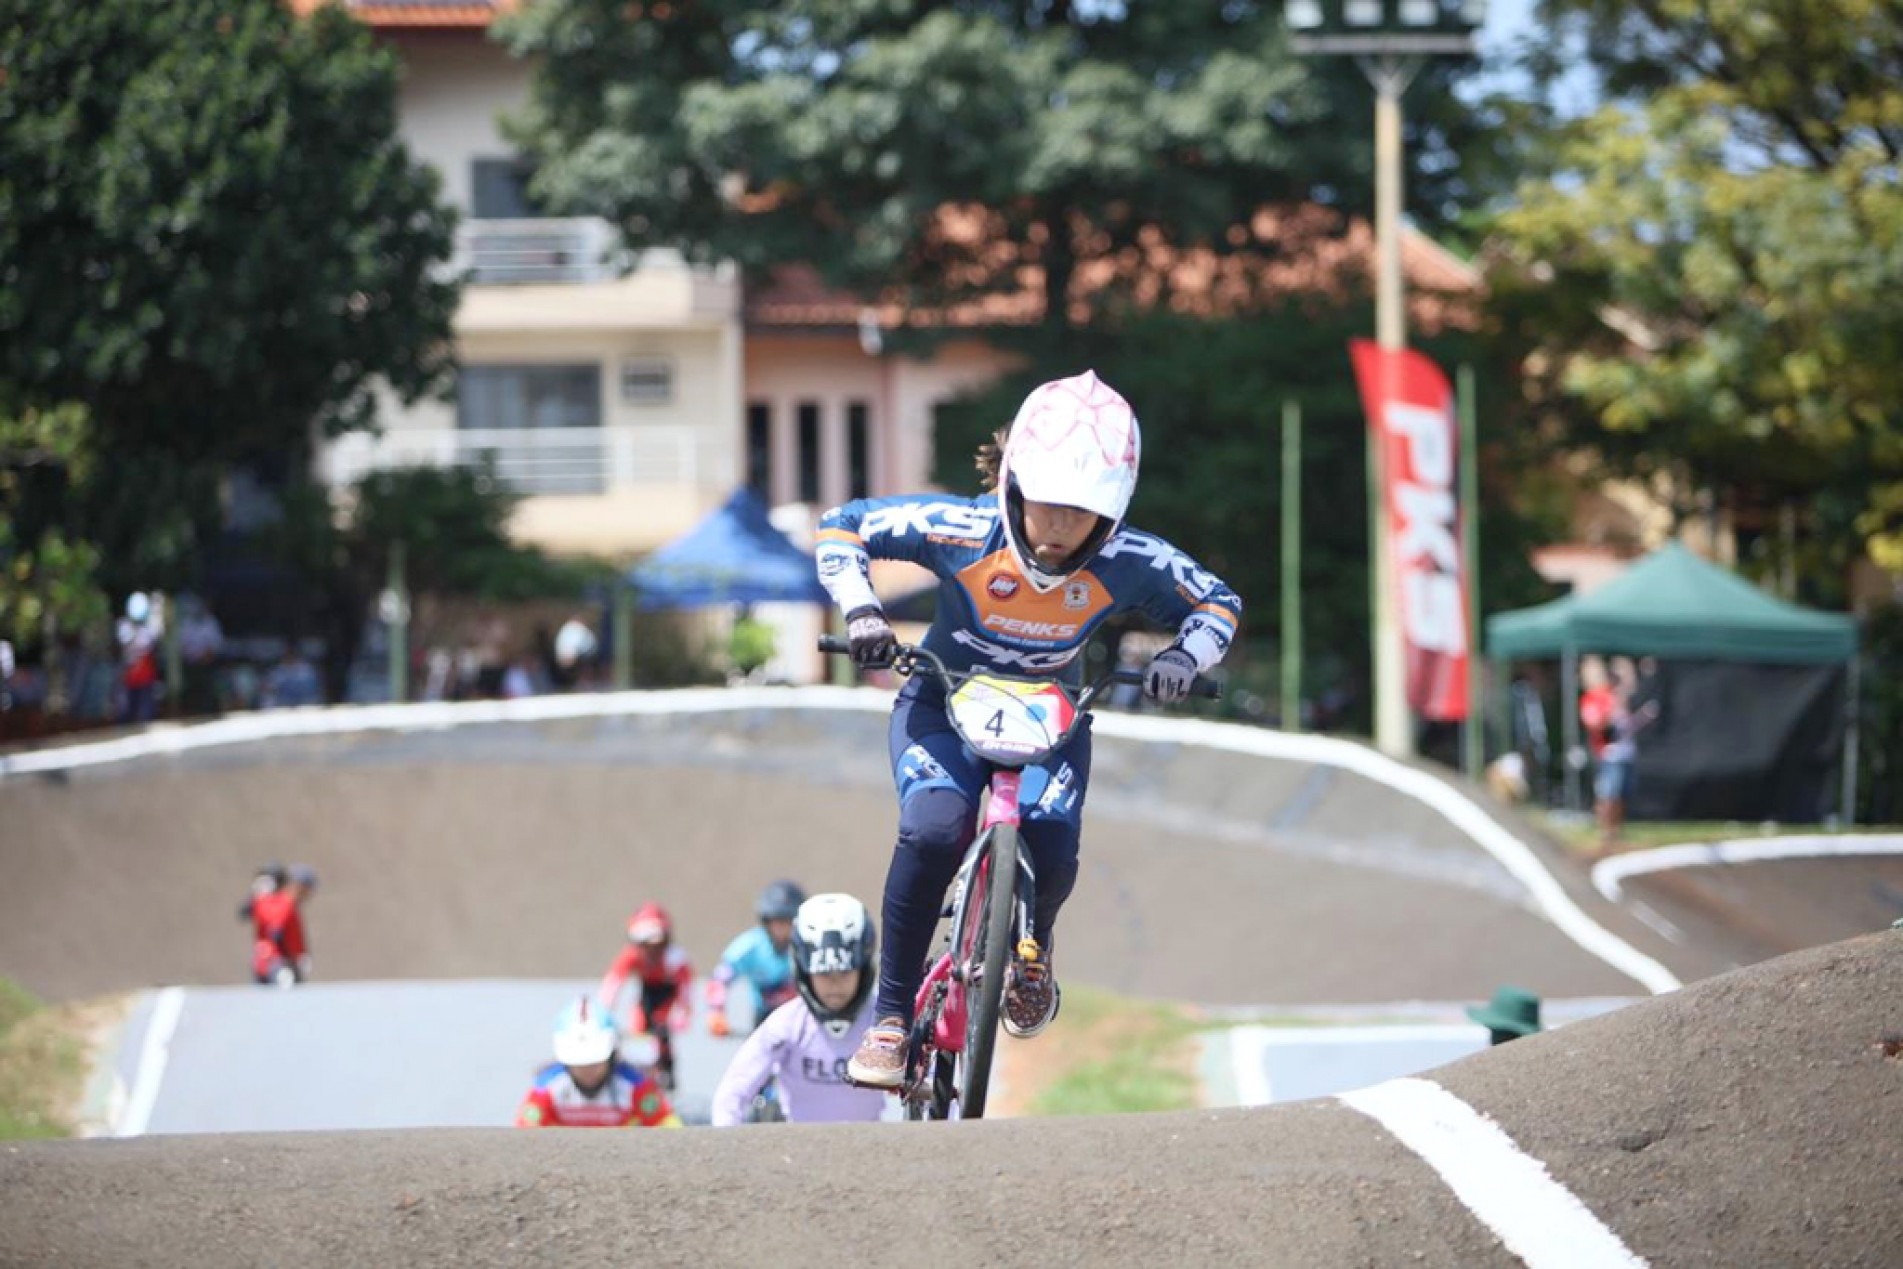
[565,460]
[519,252]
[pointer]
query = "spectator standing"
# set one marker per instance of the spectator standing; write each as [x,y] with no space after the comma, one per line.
[1612,780]
[1597,701]
[139,632]
[201,640]
[575,651]
[291,682]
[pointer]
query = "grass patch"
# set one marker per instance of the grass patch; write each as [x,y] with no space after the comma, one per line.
[1120,1056]
[42,1066]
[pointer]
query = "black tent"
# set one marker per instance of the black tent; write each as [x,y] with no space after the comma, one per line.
[1753,690]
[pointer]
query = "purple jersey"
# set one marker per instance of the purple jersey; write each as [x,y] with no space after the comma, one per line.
[810,1063]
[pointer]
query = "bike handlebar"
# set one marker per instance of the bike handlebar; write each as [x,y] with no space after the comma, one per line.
[908,654]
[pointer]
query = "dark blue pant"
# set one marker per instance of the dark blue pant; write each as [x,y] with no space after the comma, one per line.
[939,783]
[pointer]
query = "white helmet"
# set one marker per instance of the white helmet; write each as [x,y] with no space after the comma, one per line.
[1075,442]
[585,1034]
[138,607]
[833,934]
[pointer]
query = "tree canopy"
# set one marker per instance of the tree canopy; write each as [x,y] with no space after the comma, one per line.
[1710,266]
[837,132]
[212,239]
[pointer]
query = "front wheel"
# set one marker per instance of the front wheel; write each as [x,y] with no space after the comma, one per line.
[988,925]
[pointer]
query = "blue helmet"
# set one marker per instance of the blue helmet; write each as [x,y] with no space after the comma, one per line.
[779,901]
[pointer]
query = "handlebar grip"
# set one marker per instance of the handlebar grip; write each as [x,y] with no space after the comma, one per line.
[835,644]
[1208,689]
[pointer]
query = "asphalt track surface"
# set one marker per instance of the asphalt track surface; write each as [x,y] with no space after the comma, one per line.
[335,1056]
[1744,1120]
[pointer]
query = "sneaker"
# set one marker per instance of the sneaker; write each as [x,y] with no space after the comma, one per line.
[1031,999]
[880,1061]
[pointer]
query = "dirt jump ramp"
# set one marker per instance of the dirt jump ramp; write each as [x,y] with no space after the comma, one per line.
[1749,1119]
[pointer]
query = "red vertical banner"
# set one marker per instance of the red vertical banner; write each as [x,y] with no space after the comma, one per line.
[1410,409]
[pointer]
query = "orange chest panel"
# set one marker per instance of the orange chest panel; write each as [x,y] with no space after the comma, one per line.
[1009,609]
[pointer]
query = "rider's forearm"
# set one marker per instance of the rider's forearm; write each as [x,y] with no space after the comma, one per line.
[845,570]
[1204,640]
[1210,627]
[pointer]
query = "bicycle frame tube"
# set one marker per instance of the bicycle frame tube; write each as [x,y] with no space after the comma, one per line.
[1002,808]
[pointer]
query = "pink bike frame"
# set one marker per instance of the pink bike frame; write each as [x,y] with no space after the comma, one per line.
[948,1034]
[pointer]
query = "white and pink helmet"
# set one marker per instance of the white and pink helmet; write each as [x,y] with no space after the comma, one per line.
[1074,442]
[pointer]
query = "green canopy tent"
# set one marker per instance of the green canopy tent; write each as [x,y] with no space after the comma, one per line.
[1676,607]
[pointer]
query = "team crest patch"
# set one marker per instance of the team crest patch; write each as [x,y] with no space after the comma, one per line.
[1002,586]
[1077,595]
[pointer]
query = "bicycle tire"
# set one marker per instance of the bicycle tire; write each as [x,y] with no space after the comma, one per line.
[993,952]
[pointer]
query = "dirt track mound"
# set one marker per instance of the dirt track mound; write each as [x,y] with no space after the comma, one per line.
[1746,1120]
[517,850]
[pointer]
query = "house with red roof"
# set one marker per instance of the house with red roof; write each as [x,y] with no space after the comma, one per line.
[626,395]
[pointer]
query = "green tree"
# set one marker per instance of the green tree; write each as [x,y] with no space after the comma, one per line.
[836,132]
[212,238]
[1710,268]
[453,526]
[48,580]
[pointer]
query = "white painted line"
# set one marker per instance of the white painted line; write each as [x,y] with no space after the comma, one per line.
[1652,917]
[1539,1220]
[168,738]
[1245,1061]
[1607,874]
[1458,809]
[153,1055]
[1461,811]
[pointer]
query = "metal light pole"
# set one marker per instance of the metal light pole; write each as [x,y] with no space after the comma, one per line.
[1291,566]
[1389,40]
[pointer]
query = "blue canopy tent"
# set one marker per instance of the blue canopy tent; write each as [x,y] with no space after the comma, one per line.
[734,556]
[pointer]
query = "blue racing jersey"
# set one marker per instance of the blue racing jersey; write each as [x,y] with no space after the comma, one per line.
[751,958]
[989,614]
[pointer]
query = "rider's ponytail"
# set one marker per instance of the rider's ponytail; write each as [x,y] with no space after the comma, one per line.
[990,459]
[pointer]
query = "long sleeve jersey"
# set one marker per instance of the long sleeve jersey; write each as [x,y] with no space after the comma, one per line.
[275,920]
[751,958]
[810,1063]
[670,968]
[629,1098]
[989,615]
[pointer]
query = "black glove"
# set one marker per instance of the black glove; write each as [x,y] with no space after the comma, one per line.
[1170,675]
[873,641]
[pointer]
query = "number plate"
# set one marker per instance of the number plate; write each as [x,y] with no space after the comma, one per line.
[1010,721]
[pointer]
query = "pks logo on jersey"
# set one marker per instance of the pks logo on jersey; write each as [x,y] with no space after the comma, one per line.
[1163,557]
[955,519]
[1011,658]
[1001,586]
[1077,594]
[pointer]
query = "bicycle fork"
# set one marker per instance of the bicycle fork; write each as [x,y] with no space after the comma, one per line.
[1003,808]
